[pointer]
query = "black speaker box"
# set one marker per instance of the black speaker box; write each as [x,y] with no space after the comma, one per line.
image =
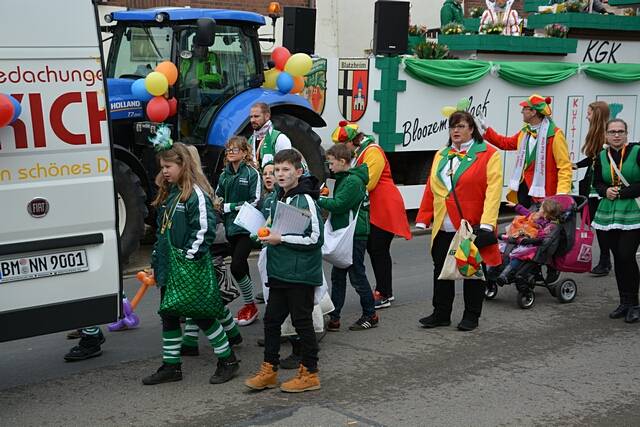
[299,32]
[391,27]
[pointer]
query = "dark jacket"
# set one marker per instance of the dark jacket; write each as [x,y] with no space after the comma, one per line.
[192,229]
[350,192]
[236,188]
[298,259]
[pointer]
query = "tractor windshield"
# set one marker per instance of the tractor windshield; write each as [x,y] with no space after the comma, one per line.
[209,76]
[138,50]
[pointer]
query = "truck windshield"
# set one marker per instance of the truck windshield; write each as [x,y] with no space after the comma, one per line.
[211,75]
[139,50]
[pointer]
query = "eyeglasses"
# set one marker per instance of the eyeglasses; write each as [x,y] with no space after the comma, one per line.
[234,150]
[616,132]
[458,126]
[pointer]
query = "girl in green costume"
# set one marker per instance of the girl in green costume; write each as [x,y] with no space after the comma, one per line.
[617,180]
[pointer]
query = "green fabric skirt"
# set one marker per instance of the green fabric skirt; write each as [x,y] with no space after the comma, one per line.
[618,214]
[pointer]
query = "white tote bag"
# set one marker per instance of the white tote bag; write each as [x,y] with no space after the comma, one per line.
[337,248]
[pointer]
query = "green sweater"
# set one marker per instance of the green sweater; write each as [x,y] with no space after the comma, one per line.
[349,192]
[451,12]
[237,187]
[193,228]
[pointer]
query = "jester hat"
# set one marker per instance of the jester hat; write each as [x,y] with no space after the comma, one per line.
[345,132]
[538,103]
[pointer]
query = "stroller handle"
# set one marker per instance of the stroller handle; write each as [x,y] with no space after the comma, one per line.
[580,201]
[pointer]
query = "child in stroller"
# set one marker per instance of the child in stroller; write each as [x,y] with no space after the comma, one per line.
[531,242]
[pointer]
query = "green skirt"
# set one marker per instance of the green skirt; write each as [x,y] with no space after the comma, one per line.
[618,214]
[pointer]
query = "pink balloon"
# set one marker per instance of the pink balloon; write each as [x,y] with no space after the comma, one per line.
[280,56]
[173,106]
[158,109]
[6,110]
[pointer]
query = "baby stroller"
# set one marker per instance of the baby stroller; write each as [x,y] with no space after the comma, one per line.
[544,269]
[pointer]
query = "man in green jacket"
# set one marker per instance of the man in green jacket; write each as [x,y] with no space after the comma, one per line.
[350,199]
[451,11]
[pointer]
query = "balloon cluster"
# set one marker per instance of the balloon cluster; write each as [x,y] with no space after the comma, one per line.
[10,110]
[153,90]
[288,73]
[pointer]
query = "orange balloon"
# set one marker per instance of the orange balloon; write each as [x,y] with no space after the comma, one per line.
[263,232]
[169,70]
[298,84]
[141,276]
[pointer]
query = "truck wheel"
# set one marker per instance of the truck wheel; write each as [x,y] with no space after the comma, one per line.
[132,210]
[304,139]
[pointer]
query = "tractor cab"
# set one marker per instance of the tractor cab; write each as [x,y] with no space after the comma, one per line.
[216,53]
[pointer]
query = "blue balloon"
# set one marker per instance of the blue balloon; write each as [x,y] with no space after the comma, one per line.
[17,108]
[285,82]
[140,91]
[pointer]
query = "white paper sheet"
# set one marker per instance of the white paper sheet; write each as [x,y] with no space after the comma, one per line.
[288,219]
[250,218]
[330,183]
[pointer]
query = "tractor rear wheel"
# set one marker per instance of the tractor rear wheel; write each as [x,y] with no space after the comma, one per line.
[305,140]
[132,209]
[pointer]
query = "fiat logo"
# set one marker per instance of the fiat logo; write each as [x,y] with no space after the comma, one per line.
[38,207]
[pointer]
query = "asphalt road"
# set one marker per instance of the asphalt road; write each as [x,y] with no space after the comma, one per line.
[555,364]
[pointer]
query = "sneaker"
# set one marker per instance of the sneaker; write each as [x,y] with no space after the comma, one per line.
[267,377]
[620,311]
[235,340]
[333,326]
[247,314]
[365,322]
[88,347]
[165,374]
[227,369]
[189,350]
[467,324]
[383,303]
[303,381]
[378,296]
[291,362]
[74,335]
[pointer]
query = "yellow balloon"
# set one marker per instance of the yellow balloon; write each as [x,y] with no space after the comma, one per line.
[156,83]
[270,77]
[448,111]
[298,65]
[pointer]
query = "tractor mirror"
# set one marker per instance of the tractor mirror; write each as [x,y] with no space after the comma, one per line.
[206,32]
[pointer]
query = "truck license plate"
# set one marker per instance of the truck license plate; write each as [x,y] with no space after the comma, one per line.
[44,265]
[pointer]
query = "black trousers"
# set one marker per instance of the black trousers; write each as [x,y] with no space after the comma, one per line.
[624,245]
[240,246]
[605,257]
[171,323]
[379,247]
[296,300]
[444,290]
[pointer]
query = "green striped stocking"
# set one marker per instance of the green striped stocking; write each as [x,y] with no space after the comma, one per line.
[171,342]
[218,339]
[246,287]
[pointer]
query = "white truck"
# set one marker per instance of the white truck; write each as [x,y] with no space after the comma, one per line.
[403,110]
[59,265]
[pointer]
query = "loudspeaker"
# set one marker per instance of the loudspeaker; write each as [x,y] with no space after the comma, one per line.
[299,32]
[390,27]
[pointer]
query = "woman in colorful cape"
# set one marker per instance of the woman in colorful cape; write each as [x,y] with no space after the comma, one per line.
[465,180]
[616,178]
[387,213]
[186,225]
[597,115]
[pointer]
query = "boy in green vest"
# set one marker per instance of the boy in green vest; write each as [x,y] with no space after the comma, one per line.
[294,271]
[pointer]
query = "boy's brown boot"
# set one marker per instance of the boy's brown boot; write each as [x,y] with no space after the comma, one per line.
[267,377]
[303,381]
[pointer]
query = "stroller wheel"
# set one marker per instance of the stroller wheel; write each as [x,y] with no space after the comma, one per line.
[526,299]
[491,290]
[566,290]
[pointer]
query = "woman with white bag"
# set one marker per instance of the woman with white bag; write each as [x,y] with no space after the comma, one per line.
[345,237]
[465,183]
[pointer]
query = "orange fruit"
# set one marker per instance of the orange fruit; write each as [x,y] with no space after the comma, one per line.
[263,232]
[324,191]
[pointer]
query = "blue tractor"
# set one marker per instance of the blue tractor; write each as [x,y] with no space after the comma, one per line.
[221,71]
